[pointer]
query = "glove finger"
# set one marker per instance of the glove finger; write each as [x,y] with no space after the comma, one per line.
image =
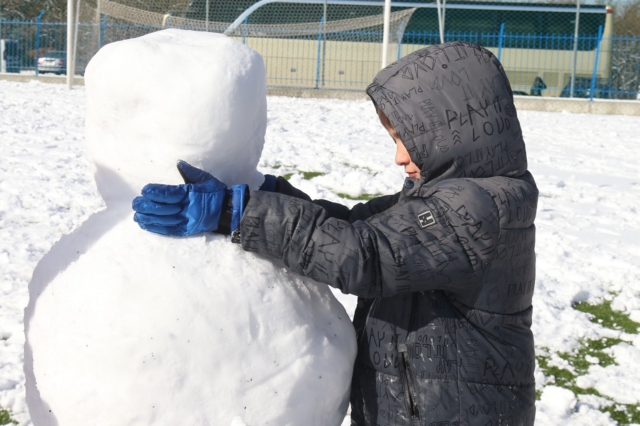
[172,231]
[192,174]
[150,219]
[165,194]
[143,205]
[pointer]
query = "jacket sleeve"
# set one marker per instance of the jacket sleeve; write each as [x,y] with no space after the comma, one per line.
[408,248]
[360,211]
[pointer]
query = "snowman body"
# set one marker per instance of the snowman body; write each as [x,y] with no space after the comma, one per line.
[125,327]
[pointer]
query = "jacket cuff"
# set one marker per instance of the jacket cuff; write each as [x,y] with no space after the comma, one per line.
[235,202]
[269,184]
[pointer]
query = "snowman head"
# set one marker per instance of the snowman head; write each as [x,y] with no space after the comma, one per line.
[172,95]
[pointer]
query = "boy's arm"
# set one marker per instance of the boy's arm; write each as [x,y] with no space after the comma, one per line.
[410,247]
[360,211]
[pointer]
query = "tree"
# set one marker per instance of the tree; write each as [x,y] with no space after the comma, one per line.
[628,18]
[55,10]
[625,66]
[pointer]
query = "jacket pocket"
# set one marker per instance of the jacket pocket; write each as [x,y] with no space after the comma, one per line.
[408,382]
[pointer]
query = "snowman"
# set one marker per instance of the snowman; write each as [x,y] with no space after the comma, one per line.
[126,327]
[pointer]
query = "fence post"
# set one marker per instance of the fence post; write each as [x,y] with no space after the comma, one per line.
[165,20]
[500,40]
[206,14]
[76,29]
[324,43]
[595,64]
[399,35]
[636,85]
[69,43]
[244,30]
[37,55]
[103,26]
[386,13]
[575,49]
[98,28]
[318,65]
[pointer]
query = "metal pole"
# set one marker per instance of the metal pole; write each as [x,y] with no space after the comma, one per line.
[165,20]
[636,85]
[75,40]
[244,30]
[595,65]
[319,52]
[385,34]
[99,42]
[69,41]
[37,55]
[206,14]
[399,34]
[500,40]
[440,29]
[103,27]
[444,11]
[575,49]
[324,42]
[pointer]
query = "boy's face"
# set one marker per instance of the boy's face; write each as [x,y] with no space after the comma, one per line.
[402,155]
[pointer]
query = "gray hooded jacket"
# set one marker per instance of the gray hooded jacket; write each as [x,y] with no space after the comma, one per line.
[445,269]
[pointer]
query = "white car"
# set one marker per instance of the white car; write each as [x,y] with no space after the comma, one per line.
[54,61]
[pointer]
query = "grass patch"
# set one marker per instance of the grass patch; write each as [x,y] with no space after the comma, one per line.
[5,418]
[604,315]
[305,175]
[578,360]
[362,197]
[361,168]
[311,175]
[623,414]
[592,350]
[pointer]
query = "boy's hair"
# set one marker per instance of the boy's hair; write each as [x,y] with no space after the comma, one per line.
[383,118]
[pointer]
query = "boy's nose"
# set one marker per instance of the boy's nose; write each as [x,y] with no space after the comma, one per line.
[402,155]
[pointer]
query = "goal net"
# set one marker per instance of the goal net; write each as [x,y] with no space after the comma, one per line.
[136,15]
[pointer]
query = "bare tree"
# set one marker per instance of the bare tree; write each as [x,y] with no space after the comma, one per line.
[628,18]
[55,10]
[625,67]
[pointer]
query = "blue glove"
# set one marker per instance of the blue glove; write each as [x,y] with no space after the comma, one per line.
[202,204]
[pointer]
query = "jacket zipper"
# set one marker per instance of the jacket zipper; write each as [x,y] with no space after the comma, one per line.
[408,381]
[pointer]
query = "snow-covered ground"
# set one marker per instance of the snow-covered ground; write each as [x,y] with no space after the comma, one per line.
[588,240]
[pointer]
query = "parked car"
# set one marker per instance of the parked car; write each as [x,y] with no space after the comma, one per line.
[54,61]
[582,89]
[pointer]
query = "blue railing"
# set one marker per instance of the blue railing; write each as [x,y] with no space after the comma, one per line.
[537,64]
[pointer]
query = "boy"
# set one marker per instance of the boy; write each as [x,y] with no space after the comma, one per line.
[444,269]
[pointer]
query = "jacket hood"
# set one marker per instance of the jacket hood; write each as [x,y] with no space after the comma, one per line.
[452,106]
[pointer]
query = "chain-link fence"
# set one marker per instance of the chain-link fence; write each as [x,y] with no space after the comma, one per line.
[337,43]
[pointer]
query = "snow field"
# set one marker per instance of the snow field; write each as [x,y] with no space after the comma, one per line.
[588,245]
